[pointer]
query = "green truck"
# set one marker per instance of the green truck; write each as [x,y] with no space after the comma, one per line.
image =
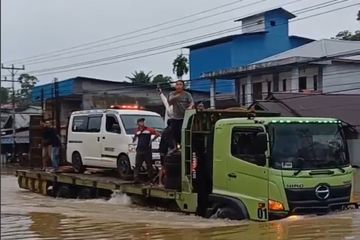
[236,165]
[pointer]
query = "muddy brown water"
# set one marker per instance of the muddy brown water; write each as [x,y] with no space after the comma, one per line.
[26,215]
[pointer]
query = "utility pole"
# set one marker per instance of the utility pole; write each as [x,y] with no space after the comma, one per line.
[13,70]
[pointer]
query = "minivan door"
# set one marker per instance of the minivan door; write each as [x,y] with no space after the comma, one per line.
[114,141]
[247,171]
[92,143]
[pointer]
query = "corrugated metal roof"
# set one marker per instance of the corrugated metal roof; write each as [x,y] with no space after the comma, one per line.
[222,40]
[342,106]
[317,49]
[280,10]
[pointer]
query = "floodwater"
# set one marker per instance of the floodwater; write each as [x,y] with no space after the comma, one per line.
[26,215]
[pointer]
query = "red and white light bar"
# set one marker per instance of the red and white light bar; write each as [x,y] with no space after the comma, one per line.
[128,107]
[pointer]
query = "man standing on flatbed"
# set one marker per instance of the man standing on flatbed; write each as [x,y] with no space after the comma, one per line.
[180,100]
[144,148]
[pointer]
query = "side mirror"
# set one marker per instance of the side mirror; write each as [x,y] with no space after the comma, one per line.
[261,143]
[115,128]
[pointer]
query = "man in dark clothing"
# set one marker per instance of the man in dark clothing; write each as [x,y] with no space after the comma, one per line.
[144,148]
[51,146]
[181,101]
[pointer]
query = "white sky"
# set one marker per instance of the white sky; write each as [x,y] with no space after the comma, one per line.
[32,27]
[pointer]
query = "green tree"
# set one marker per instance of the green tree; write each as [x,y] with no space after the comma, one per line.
[140,77]
[163,81]
[4,95]
[347,35]
[27,83]
[180,66]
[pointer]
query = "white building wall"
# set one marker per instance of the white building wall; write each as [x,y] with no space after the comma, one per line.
[285,76]
[341,76]
[309,73]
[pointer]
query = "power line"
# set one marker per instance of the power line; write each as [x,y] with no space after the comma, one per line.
[43,59]
[132,32]
[48,71]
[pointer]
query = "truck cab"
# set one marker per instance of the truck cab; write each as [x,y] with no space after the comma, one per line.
[263,167]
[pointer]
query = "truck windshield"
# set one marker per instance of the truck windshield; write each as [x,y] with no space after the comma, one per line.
[130,124]
[307,146]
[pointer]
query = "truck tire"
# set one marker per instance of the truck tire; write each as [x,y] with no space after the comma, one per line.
[124,168]
[64,192]
[86,193]
[227,213]
[77,163]
[227,207]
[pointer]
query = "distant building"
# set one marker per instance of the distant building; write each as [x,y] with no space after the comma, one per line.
[324,66]
[81,93]
[263,35]
[345,107]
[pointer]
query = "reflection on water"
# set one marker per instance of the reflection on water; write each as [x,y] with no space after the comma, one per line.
[26,215]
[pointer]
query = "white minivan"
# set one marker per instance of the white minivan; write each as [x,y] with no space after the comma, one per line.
[103,138]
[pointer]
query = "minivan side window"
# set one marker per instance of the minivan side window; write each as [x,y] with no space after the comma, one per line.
[112,124]
[94,124]
[243,144]
[80,124]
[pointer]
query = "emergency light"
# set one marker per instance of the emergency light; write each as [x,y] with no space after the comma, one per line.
[128,107]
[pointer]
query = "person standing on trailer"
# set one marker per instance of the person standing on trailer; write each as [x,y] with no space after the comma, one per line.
[144,148]
[181,101]
[45,144]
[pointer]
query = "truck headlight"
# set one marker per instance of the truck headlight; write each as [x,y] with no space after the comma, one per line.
[132,148]
[275,205]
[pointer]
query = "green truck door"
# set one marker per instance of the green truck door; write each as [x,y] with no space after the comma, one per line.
[247,171]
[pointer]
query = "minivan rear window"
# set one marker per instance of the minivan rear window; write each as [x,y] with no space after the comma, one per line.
[90,123]
[130,125]
[80,124]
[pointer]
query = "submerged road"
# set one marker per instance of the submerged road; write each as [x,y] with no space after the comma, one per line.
[26,215]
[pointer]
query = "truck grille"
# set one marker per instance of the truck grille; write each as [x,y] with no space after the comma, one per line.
[309,198]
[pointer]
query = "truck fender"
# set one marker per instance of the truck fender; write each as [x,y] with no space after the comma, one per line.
[233,203]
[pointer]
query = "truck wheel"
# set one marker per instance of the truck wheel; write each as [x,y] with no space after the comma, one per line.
[227,213]
[77,163]
[64,192]
[86,193]
[124,168]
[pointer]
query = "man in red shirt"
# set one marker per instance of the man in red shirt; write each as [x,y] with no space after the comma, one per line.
[144,148]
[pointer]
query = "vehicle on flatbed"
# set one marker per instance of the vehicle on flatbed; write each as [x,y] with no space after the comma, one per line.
[103,138]
[238,166]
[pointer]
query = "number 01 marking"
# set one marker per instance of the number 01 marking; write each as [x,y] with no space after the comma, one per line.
[262,213]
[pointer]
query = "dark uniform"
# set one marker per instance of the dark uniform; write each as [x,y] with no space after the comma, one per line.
[144,151]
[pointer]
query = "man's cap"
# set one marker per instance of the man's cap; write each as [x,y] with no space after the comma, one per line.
[141,120]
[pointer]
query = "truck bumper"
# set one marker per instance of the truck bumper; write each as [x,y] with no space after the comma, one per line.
[314,210]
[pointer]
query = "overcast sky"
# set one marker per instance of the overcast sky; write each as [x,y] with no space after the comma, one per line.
[33,27]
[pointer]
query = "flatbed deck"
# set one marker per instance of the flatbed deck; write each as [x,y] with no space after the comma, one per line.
[38,181]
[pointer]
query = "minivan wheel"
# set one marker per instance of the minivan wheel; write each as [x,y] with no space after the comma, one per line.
[77,163]
[124,168]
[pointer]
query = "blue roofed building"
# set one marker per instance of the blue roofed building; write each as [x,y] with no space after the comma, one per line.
[263,35]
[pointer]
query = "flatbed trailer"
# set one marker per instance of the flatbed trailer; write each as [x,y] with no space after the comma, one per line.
[96,184]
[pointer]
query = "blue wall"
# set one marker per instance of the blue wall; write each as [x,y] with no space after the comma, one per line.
[206,59]
[242,50]
[66,88]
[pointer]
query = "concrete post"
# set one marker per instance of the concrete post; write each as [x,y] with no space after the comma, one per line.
[294,81]
[212,93]
[248,91]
